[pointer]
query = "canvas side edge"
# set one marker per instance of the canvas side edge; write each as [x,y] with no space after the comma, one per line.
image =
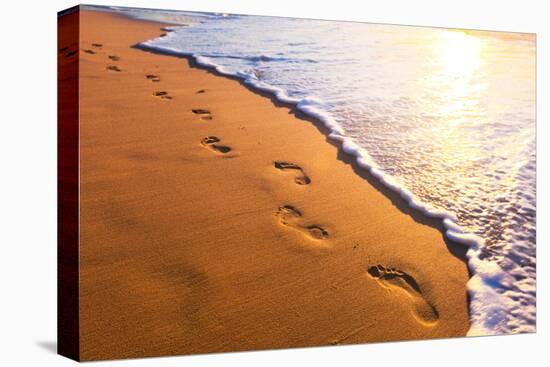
[68,325]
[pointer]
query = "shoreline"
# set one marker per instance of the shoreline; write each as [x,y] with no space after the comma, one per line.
[359,285]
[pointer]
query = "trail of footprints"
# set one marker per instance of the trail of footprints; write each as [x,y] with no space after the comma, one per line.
[289,216]
[161,94]
[92,51]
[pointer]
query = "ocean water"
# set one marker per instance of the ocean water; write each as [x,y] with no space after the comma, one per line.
[444,117]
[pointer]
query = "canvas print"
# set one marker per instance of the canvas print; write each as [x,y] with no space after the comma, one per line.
[236,182]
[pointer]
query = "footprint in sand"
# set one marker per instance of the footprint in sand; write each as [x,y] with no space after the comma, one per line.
[66,51]
[70,53]
[162,95]
[203,114]
[114,68]
[212,143]
[97,45]
[392,279]
[300,179]
[91,52]
[113,57]
[153,78]
[290,216]
[201,91]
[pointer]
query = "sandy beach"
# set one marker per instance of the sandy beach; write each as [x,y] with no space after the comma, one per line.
[215,219]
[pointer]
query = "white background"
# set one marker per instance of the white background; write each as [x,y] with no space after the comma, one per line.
[28,182]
